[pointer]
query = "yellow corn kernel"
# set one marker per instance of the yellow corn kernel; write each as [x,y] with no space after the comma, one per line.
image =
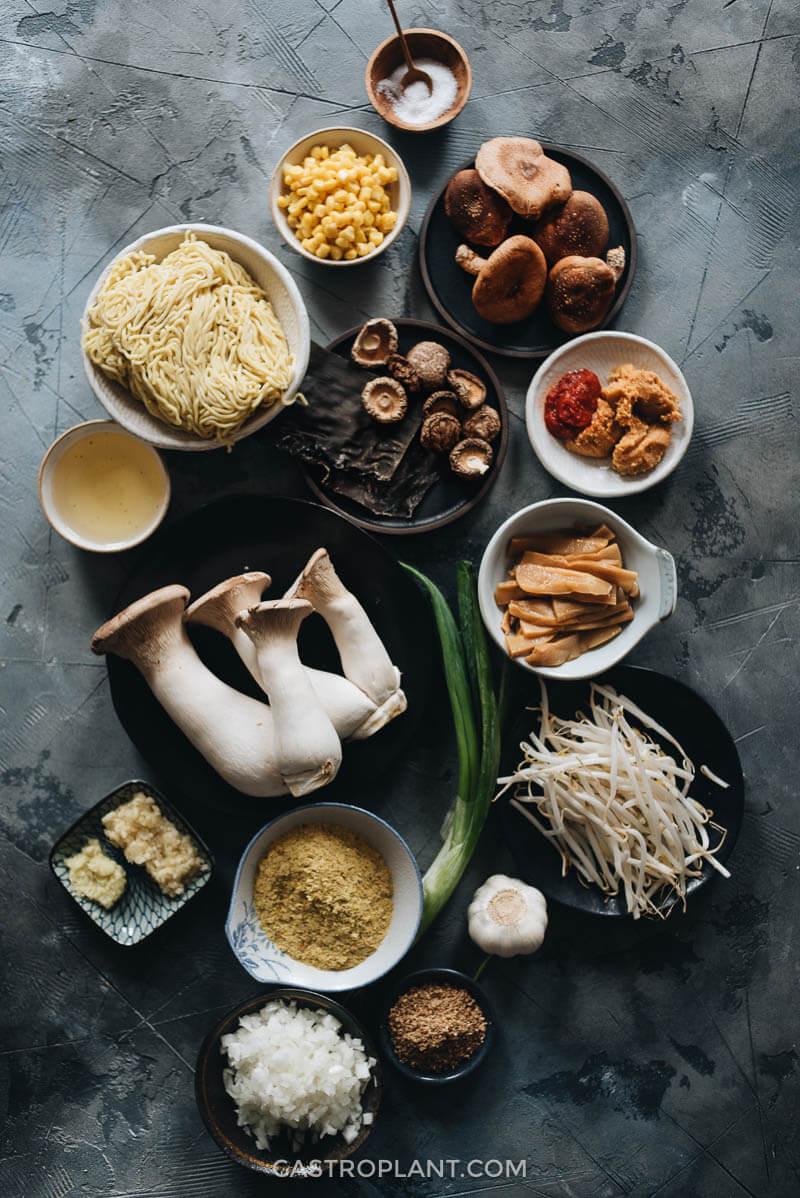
[350,255]
[323,251]
[336,253]
[364,248]
[369,219]
[375,236]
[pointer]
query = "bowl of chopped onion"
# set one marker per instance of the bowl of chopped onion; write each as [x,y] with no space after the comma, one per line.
[567,588]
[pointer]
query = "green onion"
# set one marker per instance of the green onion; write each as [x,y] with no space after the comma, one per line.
[468,673]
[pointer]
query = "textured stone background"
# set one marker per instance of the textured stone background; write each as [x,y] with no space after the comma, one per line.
[633,1061]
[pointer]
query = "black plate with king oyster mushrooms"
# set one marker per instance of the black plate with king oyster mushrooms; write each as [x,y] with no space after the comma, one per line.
[422,491]
[450,287]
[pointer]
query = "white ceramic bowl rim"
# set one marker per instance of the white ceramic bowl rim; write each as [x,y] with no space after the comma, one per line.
[310,807]
[63,527]
[165,436]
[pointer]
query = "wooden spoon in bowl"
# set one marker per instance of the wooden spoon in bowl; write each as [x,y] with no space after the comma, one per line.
[413,74]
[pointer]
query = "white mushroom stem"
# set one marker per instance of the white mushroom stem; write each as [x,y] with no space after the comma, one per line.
[615,258]
[363,654]
[307,746]
[232,731]
[349,709]
[469,261]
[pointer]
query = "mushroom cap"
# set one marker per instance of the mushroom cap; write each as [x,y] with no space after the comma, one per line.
[580,226]
[471,458]
[440,431]
[511,284]
[580,292]
[385,400]
[476,212]
[219,607]
[431,362]
[401,369]
[441,401]
[483,423]
[144,627]
[375,342]
[519,169]
[471,390]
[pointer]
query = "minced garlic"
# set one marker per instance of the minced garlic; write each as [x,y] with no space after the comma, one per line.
[96,876]
[147,838]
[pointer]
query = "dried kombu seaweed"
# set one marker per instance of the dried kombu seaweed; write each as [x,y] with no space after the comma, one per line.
[398,496]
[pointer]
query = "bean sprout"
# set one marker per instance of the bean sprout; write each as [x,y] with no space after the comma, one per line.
[615,804]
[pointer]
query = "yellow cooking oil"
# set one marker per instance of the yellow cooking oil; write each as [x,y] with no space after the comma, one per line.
[108,487]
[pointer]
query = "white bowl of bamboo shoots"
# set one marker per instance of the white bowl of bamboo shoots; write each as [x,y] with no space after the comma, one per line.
[653,600]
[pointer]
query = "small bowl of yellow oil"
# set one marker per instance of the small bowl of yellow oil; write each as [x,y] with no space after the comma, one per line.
[103,489]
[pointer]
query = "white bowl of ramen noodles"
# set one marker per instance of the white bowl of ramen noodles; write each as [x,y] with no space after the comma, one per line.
[195,336]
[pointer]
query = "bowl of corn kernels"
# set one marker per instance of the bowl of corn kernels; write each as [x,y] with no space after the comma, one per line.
[340,196]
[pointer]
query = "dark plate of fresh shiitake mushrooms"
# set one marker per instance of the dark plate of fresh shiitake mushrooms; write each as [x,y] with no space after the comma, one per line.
[437,408]
[526,246]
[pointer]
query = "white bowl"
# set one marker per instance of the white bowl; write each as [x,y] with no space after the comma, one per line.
[658,584]
[59,521]
[363,143]
[267,963]
[281,290]
[600,352]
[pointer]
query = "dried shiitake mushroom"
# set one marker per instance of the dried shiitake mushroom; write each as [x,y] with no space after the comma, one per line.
[431,362]
[483,423]
[385,400]
[401,369]
[440,431]
[580,226]
[510,282]
[476,212]
[375,343]
[519,169]
[471,458]
[580,291]
[468,387]
[441,401]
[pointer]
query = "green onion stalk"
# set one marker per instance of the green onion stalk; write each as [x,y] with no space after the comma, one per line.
[476,720]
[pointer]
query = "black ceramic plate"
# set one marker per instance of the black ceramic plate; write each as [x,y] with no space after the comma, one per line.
[451,496]
[219,1112]
[691,721]
[450,287]
[259,532]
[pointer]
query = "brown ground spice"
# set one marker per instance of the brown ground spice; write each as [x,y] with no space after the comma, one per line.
[323,895]
[436,1027]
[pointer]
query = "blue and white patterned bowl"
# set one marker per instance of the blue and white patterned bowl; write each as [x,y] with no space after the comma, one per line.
[142,907]
[264,961]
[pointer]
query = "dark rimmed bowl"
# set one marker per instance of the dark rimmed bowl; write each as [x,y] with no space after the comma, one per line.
[142,907]
[450,977]
[218,1111]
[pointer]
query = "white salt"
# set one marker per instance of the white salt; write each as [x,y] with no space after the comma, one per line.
[416,105]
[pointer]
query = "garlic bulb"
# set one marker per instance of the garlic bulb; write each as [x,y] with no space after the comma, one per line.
[506,918]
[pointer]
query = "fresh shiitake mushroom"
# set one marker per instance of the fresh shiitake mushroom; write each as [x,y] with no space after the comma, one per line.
[483,423]
[580,226]
[385,400]
[375,342]
[476,212]
[580,291]
[401,369]
[471,458]
[440,431]
[470,390]
[431,362]
[519,169]
[441,401]
[510,282]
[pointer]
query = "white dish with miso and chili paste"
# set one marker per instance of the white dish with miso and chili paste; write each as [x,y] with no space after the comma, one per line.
[609,414]
[567,588]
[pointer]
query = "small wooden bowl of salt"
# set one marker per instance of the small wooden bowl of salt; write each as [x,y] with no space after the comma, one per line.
[416,109]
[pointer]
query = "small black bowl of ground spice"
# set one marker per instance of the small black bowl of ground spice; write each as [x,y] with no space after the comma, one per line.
[438,1026]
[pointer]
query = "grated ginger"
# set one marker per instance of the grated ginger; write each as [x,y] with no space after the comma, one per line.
[147,838]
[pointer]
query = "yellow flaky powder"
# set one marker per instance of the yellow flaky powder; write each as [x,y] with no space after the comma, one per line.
[323,895]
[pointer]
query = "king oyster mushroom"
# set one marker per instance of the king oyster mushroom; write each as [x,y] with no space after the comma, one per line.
[509,283]
[468,387]
[385,400]
[519,169]
[477,213]
[441,401]
[580,291]
[483,423]
[440,432]
[431,362]
[471,458]
[375,343]
[580,226]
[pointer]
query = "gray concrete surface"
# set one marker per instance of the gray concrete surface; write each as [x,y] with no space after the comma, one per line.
[653,1061]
